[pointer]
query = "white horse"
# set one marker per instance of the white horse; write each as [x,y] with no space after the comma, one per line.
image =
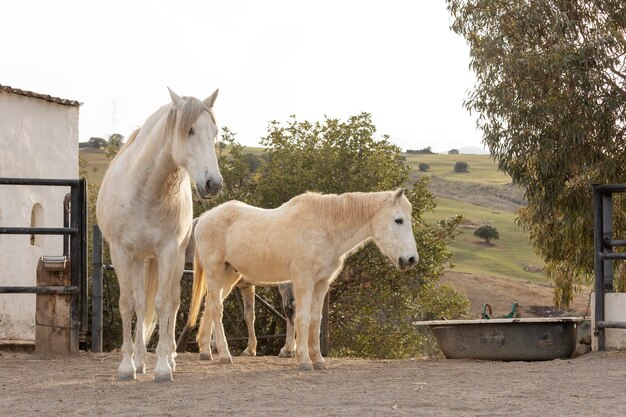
[304,241]
[144,209]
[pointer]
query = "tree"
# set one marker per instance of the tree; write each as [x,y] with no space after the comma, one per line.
[487,232]
[426,151]
[453,152]
[461,167]
[551,103]
[424,167]
[113,146]
[98,143]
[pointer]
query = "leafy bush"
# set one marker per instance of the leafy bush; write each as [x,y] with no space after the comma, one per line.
[487,232]
[424,167]
[461,167]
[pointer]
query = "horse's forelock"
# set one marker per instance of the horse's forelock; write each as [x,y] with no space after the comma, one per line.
[187,114]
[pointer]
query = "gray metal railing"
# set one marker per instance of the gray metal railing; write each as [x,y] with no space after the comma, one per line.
[604,254]
[77,232]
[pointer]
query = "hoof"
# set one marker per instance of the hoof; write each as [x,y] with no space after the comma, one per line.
[319,366]
[163,378]
[248,353]
[141,369]
[126,375]
[227,361]
[206,356]
[285,354]
[305,366]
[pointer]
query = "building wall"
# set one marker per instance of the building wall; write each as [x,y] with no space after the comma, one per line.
[38,139]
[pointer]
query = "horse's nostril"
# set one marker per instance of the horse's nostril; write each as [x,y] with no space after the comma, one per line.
[208,185]
[412,260]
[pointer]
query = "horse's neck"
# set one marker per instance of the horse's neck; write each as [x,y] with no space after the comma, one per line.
[154,167]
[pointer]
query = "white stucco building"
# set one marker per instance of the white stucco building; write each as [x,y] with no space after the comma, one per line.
[38,139]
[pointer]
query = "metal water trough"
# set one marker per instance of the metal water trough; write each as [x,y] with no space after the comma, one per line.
[516,339]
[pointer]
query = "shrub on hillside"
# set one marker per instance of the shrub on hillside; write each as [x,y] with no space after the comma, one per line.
[461,167]
[424,167]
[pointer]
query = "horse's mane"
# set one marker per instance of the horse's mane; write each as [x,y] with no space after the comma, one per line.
[345,207]
[126,144]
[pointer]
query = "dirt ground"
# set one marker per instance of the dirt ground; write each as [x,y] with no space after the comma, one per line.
[590,385]
[86,385]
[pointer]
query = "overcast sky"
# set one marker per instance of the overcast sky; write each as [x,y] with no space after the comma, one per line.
[397,60]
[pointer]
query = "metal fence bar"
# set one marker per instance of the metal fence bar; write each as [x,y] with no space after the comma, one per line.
[39,231]
[39,181]
[40,289]
[613,255]
[611,324]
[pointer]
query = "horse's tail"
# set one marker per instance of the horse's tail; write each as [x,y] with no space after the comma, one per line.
[198,290]
[151,284]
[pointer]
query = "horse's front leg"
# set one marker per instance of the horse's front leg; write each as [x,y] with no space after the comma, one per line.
[140,273]
[321,288]
[175,300]
[123,267]
[247,292]
[168,269]
[205,330]
[303,293]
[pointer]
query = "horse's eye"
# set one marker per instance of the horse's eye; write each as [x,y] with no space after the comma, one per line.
[191,131]
[399,221]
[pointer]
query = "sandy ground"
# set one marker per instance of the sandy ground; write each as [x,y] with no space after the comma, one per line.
[591,385]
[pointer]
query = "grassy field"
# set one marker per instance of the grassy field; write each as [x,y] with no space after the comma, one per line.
[482,196]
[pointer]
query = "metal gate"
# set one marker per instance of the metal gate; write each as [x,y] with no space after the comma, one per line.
[74,246]
[604,255]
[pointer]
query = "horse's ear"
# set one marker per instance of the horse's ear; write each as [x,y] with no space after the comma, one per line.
[210,101]
[177,101]
[399,193]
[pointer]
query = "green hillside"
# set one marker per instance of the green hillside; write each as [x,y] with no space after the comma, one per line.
[483,195]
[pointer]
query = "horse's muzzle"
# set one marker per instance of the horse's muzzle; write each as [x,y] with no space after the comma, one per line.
[209,189]
[407,262]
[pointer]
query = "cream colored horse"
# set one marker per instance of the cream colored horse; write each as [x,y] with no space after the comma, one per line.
[144,209]
[304,241]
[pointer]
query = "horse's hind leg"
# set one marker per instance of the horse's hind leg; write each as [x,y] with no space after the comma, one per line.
[289,310]
[316,319]
[247,292]
[123,267]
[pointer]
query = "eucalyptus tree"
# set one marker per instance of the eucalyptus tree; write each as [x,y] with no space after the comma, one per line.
[550,99]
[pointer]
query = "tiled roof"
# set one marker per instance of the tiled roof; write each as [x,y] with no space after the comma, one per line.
[45,97]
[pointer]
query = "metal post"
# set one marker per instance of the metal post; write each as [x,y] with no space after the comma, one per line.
[598,264]
[96,316]
[82,235]
[607,235]
[75,250]
[325,327]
